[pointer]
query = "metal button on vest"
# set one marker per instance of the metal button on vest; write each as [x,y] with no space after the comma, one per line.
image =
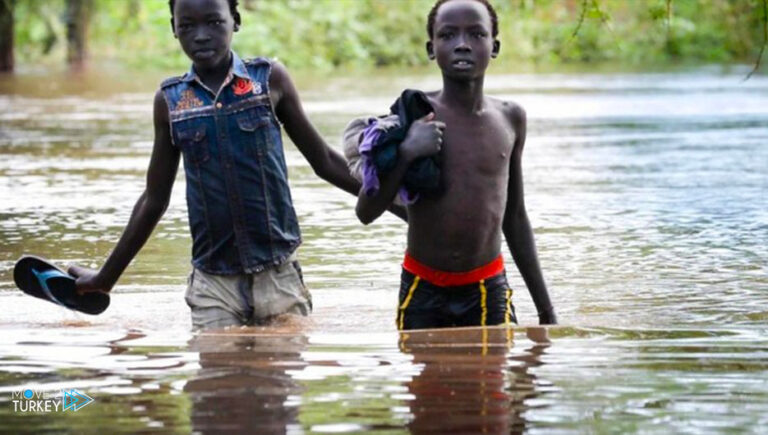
[218,105]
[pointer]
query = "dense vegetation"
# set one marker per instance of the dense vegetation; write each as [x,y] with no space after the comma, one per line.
[328,34]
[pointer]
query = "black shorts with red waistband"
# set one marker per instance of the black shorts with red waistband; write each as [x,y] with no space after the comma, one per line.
[431,298]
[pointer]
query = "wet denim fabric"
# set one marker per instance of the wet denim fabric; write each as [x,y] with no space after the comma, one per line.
[241,215]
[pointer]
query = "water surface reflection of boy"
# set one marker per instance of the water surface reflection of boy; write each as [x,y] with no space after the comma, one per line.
[469,381]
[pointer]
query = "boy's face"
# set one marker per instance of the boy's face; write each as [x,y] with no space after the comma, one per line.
[462,42]
[204,29]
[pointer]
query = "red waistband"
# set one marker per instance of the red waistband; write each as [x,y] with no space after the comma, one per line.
[448,279]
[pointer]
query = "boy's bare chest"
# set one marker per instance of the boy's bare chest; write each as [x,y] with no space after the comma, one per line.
[477,145]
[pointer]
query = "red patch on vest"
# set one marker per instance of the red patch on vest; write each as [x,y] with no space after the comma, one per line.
[242,86]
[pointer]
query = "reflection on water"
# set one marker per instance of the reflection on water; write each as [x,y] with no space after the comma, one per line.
[648,196]
[467,384]
[494,380]
[243,382]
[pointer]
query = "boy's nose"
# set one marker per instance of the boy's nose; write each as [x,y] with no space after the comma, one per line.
[462,45]
[201,36]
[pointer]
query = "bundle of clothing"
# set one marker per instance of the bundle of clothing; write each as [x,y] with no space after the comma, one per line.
[372,144]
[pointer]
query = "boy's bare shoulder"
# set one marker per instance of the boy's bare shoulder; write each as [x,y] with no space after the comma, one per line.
[279,79]
[161,110]
[159,97]
[511,111]
[432,97]
[277,70]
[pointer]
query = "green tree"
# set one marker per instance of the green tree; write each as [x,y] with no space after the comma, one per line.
[336,34]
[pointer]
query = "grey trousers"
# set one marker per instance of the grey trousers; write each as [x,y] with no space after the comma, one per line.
[218,301]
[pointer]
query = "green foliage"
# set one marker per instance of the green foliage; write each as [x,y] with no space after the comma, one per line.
[332,34]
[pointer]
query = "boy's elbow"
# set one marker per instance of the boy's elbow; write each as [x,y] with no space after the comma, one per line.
[156,207]
[363,215]
[319,169]
[324,173]
[515,215]
[321,164]
[513,219]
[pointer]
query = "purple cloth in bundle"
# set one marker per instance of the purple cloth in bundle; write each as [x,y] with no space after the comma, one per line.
[370,182]
[371,135]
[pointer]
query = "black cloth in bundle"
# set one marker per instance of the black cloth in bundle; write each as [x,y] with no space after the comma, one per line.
[423,176]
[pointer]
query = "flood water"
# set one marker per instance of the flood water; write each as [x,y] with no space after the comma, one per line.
[648,194]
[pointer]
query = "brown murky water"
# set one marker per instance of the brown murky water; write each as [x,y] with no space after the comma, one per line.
[649,199]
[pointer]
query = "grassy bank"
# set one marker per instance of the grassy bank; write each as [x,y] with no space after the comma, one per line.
[338,34]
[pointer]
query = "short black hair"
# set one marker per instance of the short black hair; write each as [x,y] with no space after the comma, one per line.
[232,6]
[491,11]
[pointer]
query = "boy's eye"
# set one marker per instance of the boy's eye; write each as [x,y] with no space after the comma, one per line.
[216,22]
[185,26]
[445,35]
[479,34]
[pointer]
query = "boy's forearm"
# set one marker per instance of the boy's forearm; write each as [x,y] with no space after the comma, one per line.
[335,171]
[369,208]
[146,214]
[523,247]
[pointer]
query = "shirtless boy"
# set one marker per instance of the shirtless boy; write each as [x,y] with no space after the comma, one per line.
[453,273]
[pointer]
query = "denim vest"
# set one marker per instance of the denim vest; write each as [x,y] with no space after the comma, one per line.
[241,214]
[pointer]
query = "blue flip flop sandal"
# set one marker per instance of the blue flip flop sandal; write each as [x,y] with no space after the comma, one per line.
[40,278]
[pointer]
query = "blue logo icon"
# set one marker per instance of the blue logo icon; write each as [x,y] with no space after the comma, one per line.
[74,399]
[28,394]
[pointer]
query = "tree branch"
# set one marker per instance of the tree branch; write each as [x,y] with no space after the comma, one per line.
[765,41]
[603,16]
[581,19]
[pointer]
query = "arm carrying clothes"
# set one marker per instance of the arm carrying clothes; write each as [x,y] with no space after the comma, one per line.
[377,148]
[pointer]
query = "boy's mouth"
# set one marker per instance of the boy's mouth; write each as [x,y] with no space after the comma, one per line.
[204,53]
[462,63]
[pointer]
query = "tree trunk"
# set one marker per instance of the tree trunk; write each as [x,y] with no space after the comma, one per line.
[78,17]
[6,35]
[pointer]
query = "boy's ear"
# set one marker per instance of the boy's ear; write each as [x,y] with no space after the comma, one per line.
[430,50]
[173,29]
[496,48]
[236,17]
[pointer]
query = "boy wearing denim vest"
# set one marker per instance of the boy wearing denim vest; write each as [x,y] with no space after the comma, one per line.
[223,117]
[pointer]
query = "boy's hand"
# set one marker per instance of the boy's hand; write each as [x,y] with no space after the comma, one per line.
[88,280]
[548,317]
[425,137]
